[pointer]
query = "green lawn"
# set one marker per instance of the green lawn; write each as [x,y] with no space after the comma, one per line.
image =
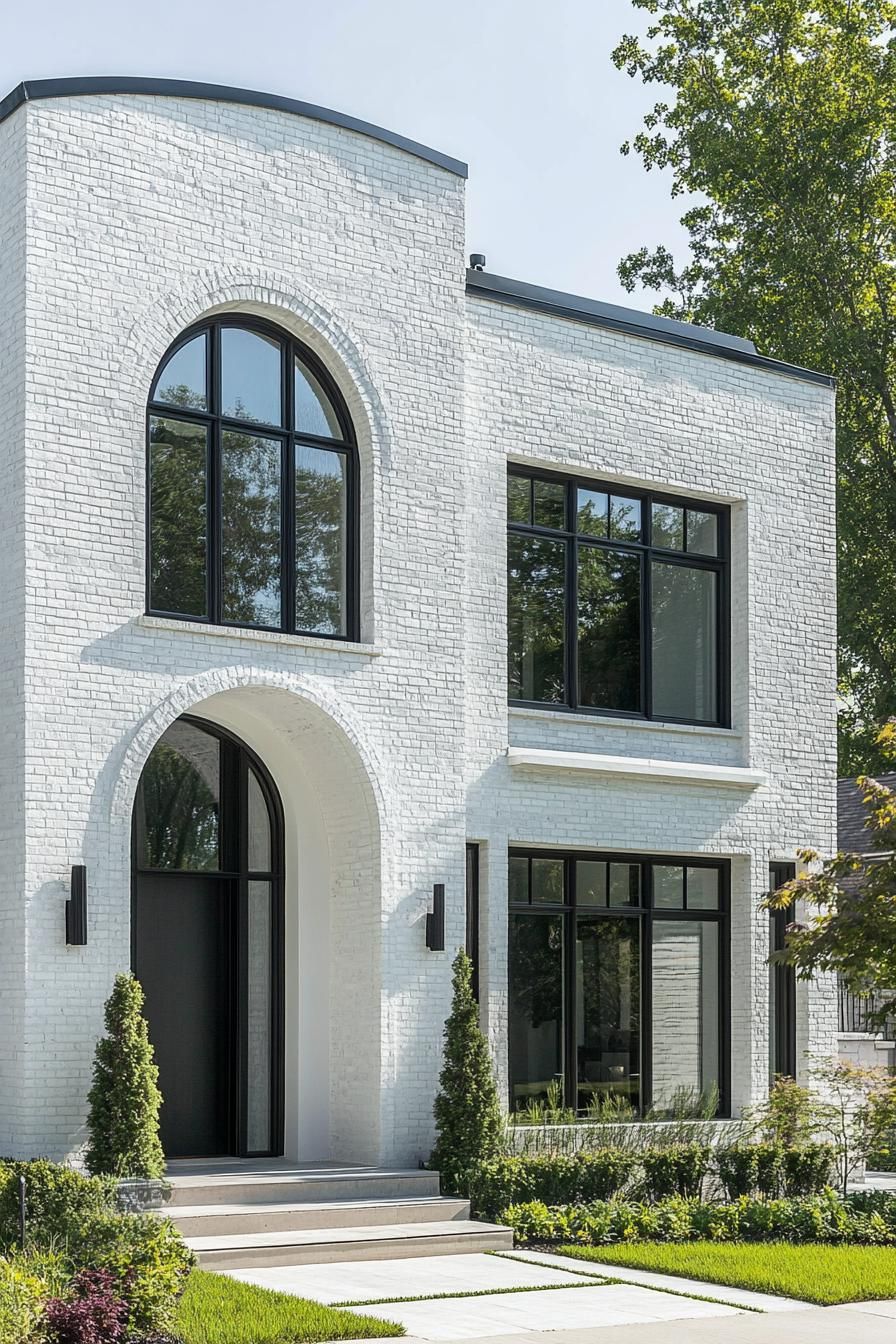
[218,1310]
[822,1274]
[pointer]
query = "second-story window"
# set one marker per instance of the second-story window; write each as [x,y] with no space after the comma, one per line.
[617,600]
[252,482]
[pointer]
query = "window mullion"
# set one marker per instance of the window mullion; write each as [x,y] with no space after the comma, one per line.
[646,624]
[215,522]
[572,599]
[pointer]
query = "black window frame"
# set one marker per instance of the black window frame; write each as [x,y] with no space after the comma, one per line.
[216,423]
[782,982]
[719,564]
[647,915]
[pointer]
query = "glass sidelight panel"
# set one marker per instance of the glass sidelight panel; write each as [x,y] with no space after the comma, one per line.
[686,1037]
[321,537]
[536,1006]
[259,1017]
[536,593]
[259,828]
[608,1011]
[684,622]
[178,476]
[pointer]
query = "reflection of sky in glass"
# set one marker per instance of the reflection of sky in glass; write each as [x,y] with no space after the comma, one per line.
[314,414]
[182,380]
[250,376]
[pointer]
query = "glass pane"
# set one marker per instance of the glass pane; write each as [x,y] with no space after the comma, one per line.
[592,509]
[625,884]
[536,585]
[182,378]
[178,800]
[547,880]
[177,488]
[259,827]
[519,499]
[668,526]
[591,883]
[518,880]
[625,518]
[685,980]
[703,888]
[609,618]
[668,887]
[314,412]
[250,528]
[685,652]
[250,376]
[703,532]
[608,1011]
[258,1018]
[535,1009]
[549,503]
[321,521]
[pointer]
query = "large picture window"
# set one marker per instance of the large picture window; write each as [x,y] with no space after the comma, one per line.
[618,970]
[617,600]
[252,485]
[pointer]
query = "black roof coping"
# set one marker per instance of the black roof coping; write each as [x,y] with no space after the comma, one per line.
[666,330]
[853,836]
[34,89]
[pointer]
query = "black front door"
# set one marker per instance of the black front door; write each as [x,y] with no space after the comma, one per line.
[206,941]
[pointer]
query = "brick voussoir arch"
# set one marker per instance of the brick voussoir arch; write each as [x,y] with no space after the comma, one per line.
[189,695]
[279,298]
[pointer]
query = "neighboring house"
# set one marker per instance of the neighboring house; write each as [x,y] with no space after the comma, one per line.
[872,1048]
[266,447]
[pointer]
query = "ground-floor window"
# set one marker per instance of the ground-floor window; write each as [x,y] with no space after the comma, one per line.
[618,975]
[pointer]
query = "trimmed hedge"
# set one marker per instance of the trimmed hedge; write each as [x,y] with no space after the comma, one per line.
[554,1178]
[866,1219]
[655,1174]
[57,1198]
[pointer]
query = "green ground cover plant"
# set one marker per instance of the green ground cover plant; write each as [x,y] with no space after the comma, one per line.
[219,1310]
[823,1274]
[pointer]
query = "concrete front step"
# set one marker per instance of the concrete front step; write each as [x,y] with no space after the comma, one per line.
[282,1183]
[323,1245]
[230,1220]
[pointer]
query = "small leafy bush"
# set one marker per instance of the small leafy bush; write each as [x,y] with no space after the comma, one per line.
[26,1281]
[770,1168]
[94,1313]
[552,1178]
[147,1260]
[737,1169]
[807,1169]
[677,1170]
[868,1218]
[57,1198]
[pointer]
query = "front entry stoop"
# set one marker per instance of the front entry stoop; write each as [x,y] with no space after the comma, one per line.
[251,1213]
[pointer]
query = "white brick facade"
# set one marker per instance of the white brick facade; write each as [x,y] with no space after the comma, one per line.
[123,219]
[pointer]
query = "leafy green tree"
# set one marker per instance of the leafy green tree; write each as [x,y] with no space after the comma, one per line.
[124,1101]
[852,903]
[469,1124]
[778,119]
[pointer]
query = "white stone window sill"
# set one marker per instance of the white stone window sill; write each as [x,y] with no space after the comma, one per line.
[732,776]
[608,721]
[258,636]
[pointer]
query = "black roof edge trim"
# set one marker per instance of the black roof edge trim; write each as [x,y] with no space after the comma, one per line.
[702,340]
[36,89]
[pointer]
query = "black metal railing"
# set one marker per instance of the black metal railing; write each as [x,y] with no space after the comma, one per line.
[854,1012]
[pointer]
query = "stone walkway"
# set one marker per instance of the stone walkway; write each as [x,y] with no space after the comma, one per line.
[566,1297]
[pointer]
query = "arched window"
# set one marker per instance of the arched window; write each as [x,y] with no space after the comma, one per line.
[252,484]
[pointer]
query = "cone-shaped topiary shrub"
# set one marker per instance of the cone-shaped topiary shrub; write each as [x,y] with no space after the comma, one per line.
[124,1100]
[469,1124]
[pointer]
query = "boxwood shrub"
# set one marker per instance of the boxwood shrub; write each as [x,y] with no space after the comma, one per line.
[58,1199]
[676,1170]
[555,1178]
[866,1218]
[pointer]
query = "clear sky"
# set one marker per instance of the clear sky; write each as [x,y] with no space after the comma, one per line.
[522,90]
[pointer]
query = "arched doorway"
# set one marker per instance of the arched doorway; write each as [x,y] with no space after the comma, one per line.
[207,940]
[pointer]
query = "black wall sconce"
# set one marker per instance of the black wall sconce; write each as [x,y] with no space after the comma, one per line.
[76,908]
[435,920]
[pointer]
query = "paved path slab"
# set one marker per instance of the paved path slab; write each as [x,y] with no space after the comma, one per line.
[576,1308]
[365,1279]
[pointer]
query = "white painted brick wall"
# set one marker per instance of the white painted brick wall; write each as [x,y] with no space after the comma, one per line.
[142,215]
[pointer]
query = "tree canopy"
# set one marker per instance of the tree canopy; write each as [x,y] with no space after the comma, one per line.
[778,118]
